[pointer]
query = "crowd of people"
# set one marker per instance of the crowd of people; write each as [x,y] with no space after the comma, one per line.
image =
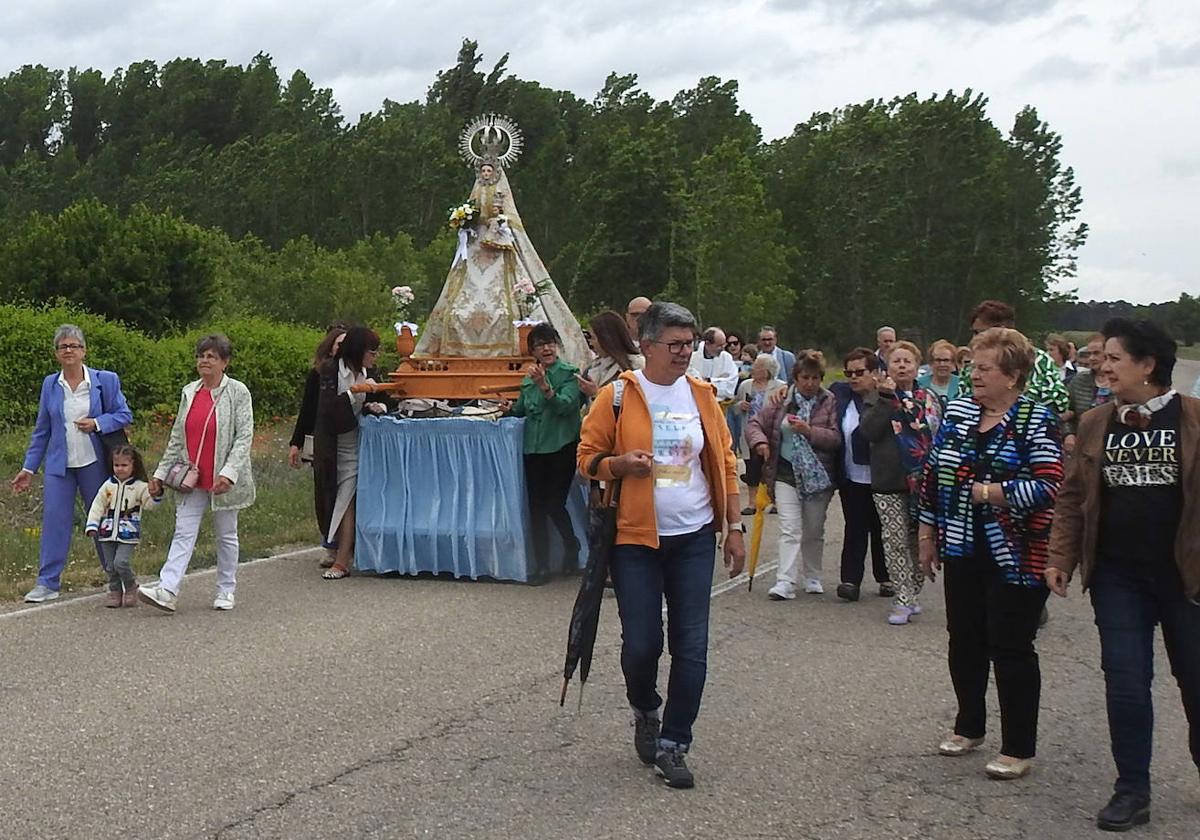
[1000,466]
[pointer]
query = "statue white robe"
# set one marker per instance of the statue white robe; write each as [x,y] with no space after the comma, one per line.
[475,312]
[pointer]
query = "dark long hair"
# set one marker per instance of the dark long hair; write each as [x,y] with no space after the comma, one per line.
[124,450]
[355,345]
[612,338]
[325,348]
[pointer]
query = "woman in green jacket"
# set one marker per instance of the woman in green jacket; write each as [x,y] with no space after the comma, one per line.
[550,402]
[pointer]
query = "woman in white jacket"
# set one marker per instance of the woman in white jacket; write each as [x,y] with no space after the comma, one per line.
[213,431]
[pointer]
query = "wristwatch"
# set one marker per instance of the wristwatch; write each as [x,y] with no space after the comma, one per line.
[740,527]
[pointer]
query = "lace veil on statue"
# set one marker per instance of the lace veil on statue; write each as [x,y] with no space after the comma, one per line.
[483,296]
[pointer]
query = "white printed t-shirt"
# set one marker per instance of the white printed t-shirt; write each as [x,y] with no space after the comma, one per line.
[682,502]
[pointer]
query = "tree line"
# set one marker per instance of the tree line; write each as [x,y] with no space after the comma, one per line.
[165,195]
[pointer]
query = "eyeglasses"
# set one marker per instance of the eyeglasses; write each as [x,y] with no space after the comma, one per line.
[542,344]
[854,374]
[69,347]
[733,343]
[675,347]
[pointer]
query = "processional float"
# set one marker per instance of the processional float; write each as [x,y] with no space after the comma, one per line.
[474,343]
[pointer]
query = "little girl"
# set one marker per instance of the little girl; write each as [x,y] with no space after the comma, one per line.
[115,521]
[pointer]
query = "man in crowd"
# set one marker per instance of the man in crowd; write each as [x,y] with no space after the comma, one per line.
[1045,384]
[1084,390]
[634,311]
[768,343]
[713,363]
[885,337]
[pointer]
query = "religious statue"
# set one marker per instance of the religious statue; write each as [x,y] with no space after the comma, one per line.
[497,279]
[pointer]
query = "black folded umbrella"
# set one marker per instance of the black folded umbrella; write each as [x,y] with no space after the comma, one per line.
[585,617]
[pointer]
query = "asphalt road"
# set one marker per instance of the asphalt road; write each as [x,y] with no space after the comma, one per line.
[396,708]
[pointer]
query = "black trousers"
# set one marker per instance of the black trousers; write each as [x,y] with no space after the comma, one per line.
[548,480]
[862,526]
[992,624]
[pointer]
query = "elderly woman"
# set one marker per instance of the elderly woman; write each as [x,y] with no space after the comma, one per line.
[77,407]
[797,438]
[550,401]
[670,449]
[213,430]
[751,396]
[335,442]
[1128,518]
[853,464]
[987,499]
[306,420]
[900,422]
[615,353]
[942,378]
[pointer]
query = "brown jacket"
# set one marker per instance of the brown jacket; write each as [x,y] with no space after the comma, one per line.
[767,427]
[601,437]
[1077,511]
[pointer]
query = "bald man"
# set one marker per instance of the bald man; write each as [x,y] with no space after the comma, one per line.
[634,311]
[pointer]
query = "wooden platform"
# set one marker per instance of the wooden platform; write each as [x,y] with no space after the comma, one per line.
[454,378]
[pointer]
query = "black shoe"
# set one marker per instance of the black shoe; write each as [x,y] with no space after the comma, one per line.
[1125,810]
[749,509]
[673,767]
[848,591]
[645,737]
[886,590]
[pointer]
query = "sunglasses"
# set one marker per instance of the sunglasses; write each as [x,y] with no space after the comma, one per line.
[854,374]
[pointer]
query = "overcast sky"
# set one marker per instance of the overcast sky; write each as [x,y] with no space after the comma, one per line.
[1119,80]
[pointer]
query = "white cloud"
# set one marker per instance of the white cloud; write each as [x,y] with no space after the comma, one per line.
[1117,81]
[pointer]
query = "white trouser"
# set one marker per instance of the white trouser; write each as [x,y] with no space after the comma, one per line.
[801,531]
[189,510]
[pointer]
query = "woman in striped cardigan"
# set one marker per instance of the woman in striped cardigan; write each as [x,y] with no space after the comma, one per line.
[987,500]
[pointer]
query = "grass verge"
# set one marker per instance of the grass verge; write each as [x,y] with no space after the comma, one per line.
[282,515]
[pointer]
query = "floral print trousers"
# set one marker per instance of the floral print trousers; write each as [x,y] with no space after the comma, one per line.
[900,546]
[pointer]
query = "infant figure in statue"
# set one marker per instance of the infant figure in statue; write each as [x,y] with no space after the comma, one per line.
[477,308]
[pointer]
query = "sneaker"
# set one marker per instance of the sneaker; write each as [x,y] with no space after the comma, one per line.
[130,599]
[886,590]
[157,597]
[645,737]
[113,601]
[812,586]
[848,591]
[782,591]
[224,601]
[40,594]
[672,766]
[1125,810]
[900,614]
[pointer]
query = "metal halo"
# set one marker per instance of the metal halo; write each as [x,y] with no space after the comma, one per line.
[488,123]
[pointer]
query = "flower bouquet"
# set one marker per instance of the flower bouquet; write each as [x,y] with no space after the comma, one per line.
[463,215]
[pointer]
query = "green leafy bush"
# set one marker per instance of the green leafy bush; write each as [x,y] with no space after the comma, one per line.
[272,359]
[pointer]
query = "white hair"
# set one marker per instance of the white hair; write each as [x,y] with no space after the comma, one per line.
[68,331]
[770,362]
[882,330]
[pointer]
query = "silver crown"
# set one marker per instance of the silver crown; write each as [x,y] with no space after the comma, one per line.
[491,138]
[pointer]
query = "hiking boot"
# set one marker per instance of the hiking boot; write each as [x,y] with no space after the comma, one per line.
[848,591]
[645,737]
[113,600]
[130,598]
[672,766]
[1125,810]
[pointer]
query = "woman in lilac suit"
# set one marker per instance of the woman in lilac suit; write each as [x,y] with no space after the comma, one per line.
[77,406]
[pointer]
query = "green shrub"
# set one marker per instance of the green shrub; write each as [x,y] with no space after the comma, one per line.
[272,359]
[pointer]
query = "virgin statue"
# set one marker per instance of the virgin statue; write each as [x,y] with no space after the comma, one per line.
[497,278]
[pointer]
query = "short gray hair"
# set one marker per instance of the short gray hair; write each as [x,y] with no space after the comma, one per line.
[770,363]
[218,343]
[882,330]
[68,331]
[660,316]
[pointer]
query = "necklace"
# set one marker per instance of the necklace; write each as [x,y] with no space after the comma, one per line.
[987,413]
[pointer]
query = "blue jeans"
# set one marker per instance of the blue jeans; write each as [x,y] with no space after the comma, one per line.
[1128,604]
[681,570]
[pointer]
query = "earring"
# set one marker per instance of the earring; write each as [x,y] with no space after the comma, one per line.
[1145,381]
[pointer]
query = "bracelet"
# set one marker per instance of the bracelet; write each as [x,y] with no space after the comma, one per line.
[986,489]
[924,537]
